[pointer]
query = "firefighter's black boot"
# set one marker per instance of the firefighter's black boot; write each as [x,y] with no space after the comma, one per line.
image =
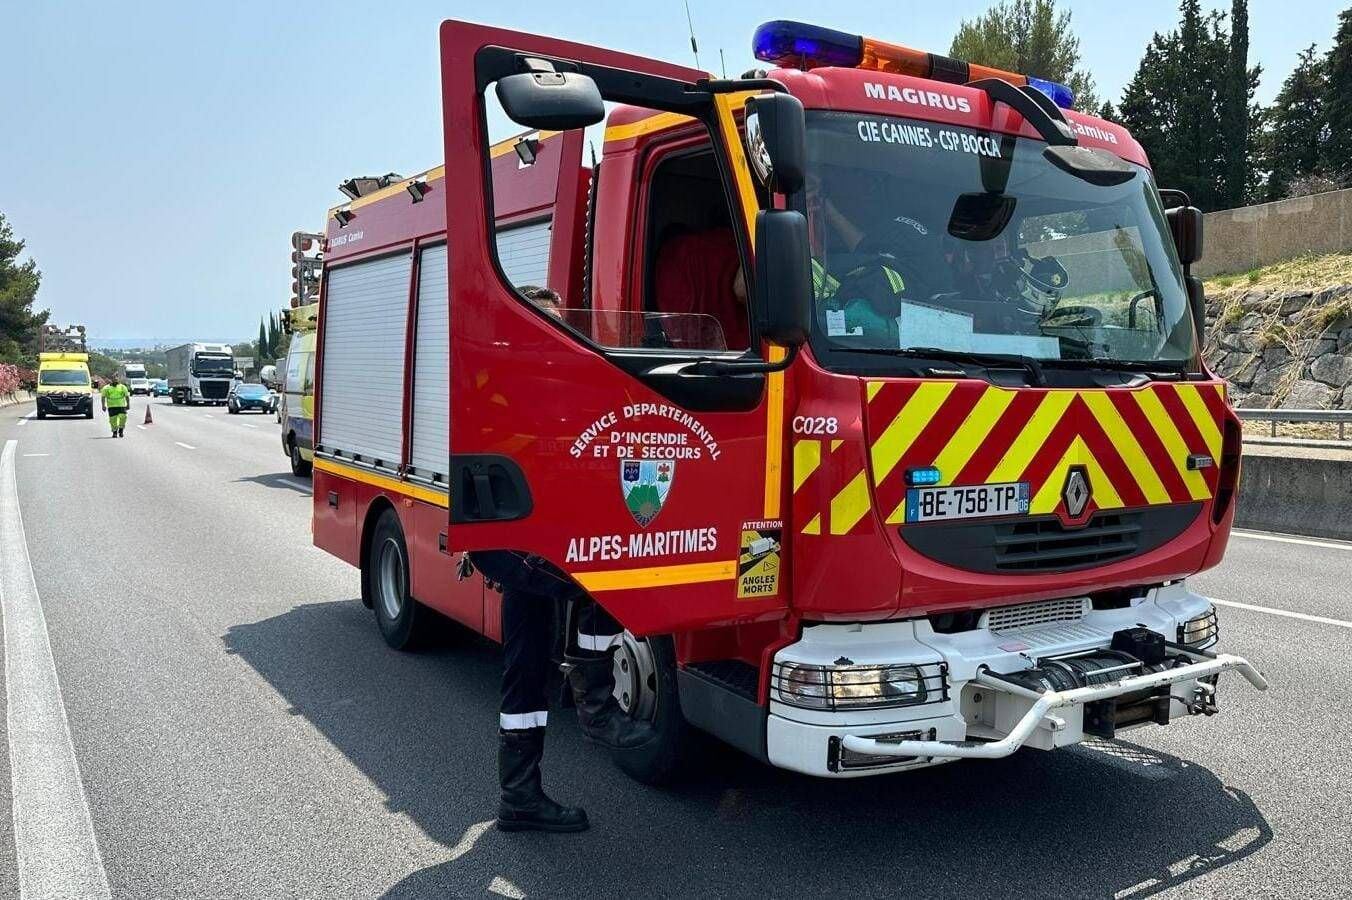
[524,806]
[592,679]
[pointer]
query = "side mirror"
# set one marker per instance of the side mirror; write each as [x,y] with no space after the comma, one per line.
[1197,300]
[783,290]
[776,141]
[548,100]
[1185,223]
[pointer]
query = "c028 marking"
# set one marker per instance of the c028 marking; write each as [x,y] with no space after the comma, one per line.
[815,425]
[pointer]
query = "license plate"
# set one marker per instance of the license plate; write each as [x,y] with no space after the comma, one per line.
[978,501]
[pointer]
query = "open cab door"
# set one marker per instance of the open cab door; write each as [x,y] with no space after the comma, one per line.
[599,436]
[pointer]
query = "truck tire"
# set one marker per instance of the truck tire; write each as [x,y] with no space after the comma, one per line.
[300,467]
[42,414]
[661,759]
[385,580]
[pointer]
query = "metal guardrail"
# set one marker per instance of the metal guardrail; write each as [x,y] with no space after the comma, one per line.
[1339,417]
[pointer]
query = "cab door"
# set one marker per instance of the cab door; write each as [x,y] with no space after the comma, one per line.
[586,435]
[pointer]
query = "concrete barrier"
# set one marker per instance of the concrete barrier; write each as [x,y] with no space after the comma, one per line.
[1237,240]
[1296,490]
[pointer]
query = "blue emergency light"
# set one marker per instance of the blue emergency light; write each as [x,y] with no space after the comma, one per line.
[798,45]
[923,476]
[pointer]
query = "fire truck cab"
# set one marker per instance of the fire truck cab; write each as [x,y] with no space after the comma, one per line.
[871,404]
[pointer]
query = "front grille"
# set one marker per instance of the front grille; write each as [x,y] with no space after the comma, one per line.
[215,390]
[1041,544]
[1030,615]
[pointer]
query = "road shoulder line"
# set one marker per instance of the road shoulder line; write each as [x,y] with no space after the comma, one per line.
[54,842]
[1285,613]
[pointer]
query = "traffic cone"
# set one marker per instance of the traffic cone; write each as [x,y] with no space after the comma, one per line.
[149,421]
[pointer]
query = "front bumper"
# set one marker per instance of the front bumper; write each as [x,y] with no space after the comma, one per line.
[980,714]
[70,405]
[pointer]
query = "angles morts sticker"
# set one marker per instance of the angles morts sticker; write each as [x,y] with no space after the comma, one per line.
[645,485]
[759,561]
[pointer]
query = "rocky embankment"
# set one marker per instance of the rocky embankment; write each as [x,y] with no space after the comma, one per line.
[1283,348]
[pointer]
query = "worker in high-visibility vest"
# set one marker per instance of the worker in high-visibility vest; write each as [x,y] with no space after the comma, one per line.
[116,400]
[864,300]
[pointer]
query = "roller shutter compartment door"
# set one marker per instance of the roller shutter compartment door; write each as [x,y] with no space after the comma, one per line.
[431,368]
[523,251]
[362,397]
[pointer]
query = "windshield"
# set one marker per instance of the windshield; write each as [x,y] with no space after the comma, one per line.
[251,391]
[63,377]
[215,365]
[927,236]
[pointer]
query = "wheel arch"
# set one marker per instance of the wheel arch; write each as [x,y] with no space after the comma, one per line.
[374,511]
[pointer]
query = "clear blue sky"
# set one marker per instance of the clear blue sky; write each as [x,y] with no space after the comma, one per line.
[157,156]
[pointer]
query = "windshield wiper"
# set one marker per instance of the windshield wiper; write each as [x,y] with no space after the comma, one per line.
[1150,367]
[989,360]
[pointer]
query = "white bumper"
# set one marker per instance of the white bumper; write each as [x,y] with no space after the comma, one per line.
[978,714]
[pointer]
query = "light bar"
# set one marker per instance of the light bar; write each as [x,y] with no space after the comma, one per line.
[801,46]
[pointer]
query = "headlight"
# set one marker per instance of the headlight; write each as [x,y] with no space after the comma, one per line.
[1200,632]
[859,687]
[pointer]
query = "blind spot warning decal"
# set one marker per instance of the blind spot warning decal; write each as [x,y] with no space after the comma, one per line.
[758,563]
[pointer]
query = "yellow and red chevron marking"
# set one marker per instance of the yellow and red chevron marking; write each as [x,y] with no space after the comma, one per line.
[830,487]
[1134,444]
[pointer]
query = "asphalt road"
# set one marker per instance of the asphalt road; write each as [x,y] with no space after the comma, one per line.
[241,730]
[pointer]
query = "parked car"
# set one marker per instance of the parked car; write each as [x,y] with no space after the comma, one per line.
[249,397]
[159,388]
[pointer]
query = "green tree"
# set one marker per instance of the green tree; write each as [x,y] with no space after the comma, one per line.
[1336,154]
[19,324]
[1296,128]
[262,338]
[1173,105]
[1236,110]
[1031,37]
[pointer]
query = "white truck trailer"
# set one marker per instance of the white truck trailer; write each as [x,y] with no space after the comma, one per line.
[200,373]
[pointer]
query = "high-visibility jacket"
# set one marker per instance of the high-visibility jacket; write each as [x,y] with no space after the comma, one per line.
[871,310]
[116,395]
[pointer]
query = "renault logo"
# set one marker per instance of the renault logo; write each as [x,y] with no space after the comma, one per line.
[1076,492]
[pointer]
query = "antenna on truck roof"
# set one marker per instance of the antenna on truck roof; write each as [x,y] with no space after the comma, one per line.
[694,47]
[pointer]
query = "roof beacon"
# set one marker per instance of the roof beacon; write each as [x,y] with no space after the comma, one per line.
[811,46]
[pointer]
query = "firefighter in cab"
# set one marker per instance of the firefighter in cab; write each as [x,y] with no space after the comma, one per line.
[116,400]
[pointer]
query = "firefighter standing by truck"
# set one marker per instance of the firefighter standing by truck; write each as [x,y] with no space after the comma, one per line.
[533,592]
[116,400]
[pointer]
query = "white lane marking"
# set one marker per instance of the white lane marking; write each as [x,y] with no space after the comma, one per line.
[142,427]
[37,454]
[24,420]
[504,888]
[248,425]
[1283,539]
[209,415]
[54,842]
[185,446]
[296,484]
[1285,613]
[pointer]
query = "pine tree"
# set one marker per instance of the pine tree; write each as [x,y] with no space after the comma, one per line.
[19,324]
[1297,128]
[1336,154]
[263,349]
[1031,37]
[1172,105]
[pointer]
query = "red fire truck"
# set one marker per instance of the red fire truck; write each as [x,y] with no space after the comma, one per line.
[873,410]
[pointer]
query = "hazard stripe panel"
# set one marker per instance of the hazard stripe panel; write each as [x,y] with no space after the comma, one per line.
[1134,445]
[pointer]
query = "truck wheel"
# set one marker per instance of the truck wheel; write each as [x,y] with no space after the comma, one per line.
[299,466]
[645,687]
[386,579]
[41,414]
